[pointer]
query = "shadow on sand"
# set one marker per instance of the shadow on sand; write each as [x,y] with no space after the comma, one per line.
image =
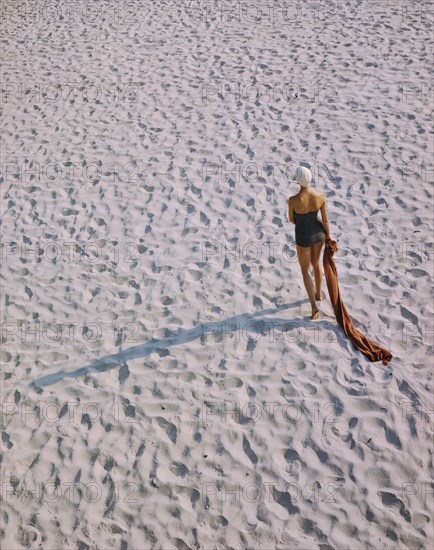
[255,323]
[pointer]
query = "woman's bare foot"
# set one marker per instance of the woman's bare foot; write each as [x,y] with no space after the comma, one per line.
[318,298]
[315,312]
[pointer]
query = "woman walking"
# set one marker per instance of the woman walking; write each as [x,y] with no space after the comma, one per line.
[310,233]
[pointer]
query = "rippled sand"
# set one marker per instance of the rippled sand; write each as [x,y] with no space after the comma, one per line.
[163,386]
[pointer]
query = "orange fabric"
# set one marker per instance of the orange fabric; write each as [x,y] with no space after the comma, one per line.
[373,351]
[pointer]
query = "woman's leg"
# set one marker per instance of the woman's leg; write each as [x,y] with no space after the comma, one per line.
[316,257]
[304,257]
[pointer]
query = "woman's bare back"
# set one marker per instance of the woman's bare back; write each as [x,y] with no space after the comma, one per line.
[308,200]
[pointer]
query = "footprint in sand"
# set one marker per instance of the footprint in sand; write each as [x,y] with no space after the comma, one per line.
[169,428]
[179,469]
[249,451]
[228,383]
[30,537]
[418,273]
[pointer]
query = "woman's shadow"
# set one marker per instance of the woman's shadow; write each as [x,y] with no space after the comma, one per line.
[255,323]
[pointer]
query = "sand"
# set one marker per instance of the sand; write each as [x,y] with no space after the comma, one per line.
[163,386]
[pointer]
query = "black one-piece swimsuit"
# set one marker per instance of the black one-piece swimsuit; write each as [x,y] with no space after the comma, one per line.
[308,229]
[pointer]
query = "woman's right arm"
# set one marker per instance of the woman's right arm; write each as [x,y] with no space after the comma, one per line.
[325,219]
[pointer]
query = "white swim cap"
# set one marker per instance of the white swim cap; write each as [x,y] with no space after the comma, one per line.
[303,176]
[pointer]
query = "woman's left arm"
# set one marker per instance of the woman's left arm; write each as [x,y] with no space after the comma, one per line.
[291,211]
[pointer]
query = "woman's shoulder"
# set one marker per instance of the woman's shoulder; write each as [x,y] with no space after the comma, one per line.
[320,195]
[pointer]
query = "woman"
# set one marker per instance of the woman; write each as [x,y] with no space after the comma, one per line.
[310,233]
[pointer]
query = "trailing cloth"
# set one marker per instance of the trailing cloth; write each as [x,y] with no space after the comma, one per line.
[373,351]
